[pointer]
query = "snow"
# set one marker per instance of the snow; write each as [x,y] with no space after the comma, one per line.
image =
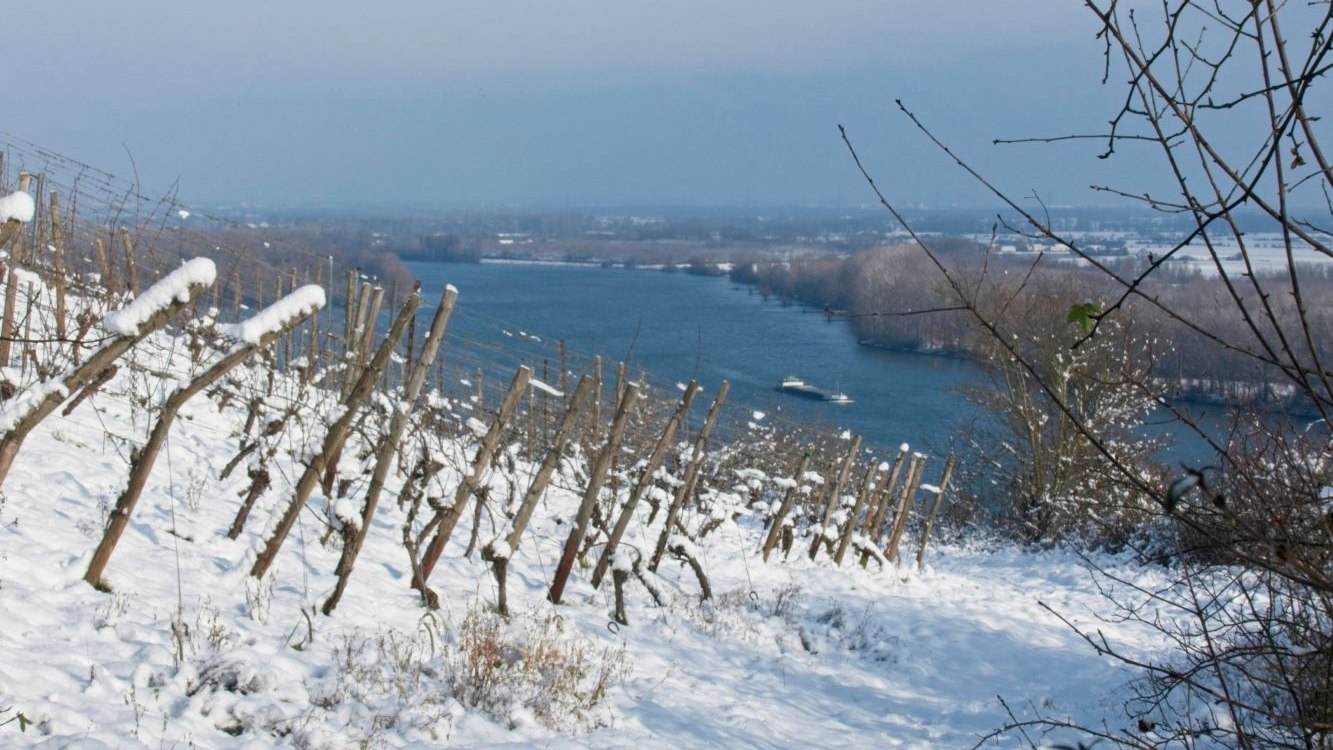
[27,278]
[17,206]
[15,409]
[934,490]
[175,286]
[622,561]
[758,415]
[273,318]
[545,387]
[183,213]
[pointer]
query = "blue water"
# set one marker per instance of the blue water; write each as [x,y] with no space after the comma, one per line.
[675,327]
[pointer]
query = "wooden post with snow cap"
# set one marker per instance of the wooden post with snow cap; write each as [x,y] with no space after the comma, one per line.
[644,481]
[333,439]
[448,518]
[596,478]
[914,469]
[126,326]
[691,476]
[18,209]
[934,509]
[354,536]
[254,334]
[821,535]
[788,499]
[849,528]
[499,550]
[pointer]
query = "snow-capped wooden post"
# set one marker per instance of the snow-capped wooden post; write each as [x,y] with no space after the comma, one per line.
[17,209]
[448,518]
[904,510]
[254,334]
[596,478]
[849,528]
[644,481]
[934,509]
[788,499]
[127,326]
[498,551]
[822,535]
[333,438]
[354,535]
[691,476]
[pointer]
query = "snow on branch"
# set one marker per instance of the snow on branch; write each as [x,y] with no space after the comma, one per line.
[276,316]
[17,207]
[175,286]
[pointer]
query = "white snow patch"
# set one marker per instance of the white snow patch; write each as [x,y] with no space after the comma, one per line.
[545,387]
[271,319]
[18,206]
[175,286]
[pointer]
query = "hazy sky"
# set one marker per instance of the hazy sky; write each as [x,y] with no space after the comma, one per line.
[548,103]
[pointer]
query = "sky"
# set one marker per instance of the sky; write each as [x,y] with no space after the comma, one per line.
[530,103]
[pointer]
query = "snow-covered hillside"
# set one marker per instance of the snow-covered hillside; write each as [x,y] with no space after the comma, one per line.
[182,647]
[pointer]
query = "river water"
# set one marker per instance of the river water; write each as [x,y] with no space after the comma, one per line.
[675,326]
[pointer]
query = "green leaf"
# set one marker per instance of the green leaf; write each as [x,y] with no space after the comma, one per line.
[1084,314]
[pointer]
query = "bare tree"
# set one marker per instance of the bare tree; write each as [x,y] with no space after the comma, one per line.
[1250,540]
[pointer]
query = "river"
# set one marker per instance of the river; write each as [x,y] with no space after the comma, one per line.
[676,326]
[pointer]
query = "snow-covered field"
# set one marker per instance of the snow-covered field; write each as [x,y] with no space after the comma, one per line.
[187,650]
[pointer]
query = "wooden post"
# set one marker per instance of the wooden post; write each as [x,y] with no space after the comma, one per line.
[141,462]
[563,387]
[788,499]
[58,264]
[595,426]
[873,528]
[354,539]
[349,316]
[49,396]
[15,230]
[108,280]
[236,294]
[470,484]
[371,319]
[131,270]
[333,439]
[691,476]
[644,481]
[834,499]
[934,509]
[914,468]
[849,529]
[596,478]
